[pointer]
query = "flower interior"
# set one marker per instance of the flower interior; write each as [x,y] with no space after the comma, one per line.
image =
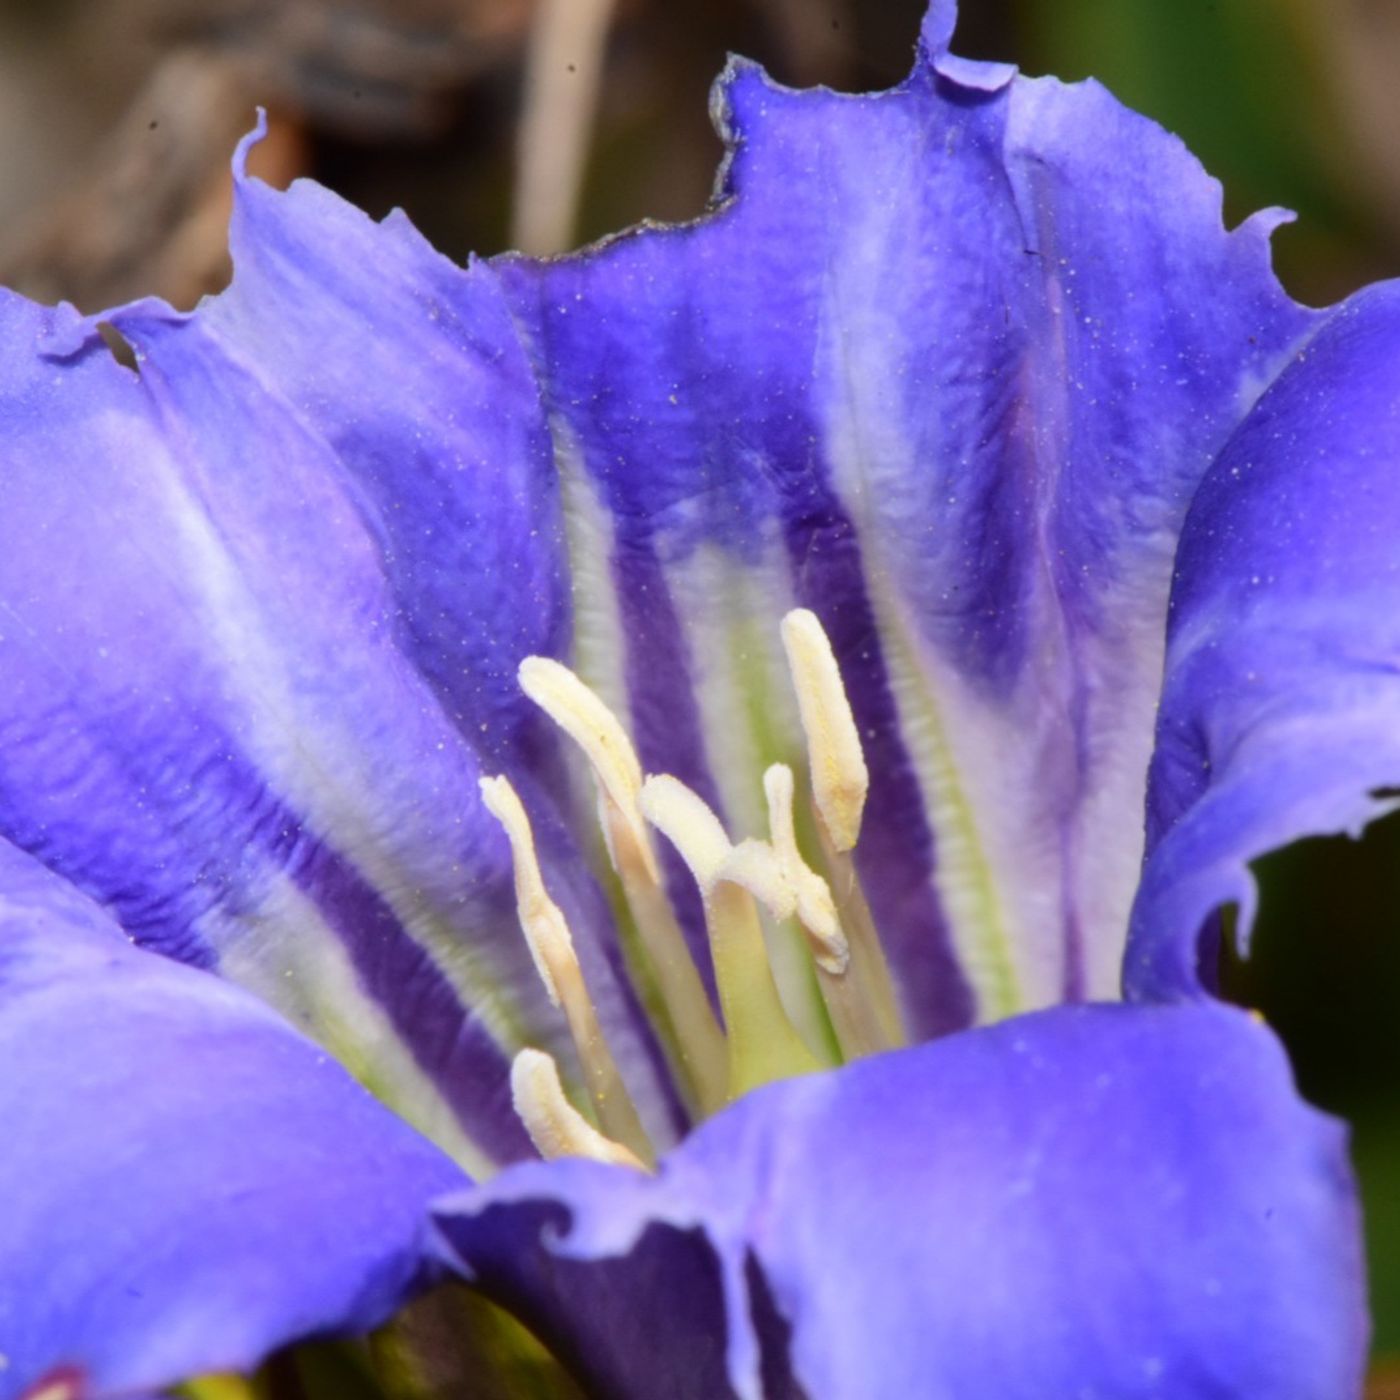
[761,1034]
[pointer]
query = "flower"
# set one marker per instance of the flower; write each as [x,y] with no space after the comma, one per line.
[964,382]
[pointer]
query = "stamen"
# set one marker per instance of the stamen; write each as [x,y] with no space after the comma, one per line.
[854,1003]
[840,779]
[763,1044]
[599,733]
[840,782]
[552,947]
[541,919]
[555,1126]
[582,715]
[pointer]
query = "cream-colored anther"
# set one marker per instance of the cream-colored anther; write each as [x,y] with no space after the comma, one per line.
[815,907]
[840,779]
[583,716]
[687,822]
[555,1126]
[542,921]
[552,947]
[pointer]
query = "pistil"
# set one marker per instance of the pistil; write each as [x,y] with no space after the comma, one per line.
[840,779]
[763,1043]
[552,947]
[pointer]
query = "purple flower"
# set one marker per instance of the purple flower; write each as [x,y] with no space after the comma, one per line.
[967,378]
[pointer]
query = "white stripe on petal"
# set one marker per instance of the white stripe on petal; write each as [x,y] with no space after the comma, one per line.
[295,963]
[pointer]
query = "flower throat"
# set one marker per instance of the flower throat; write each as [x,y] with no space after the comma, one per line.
[716,1059]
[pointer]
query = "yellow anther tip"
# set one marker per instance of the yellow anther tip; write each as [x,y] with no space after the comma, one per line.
[584,717]
[687,822]
[840,779]
[541,920]
[555,1126]
[499,796]
[538,671]
[540,677]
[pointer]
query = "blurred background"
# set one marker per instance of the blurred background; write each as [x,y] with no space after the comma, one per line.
[541,123]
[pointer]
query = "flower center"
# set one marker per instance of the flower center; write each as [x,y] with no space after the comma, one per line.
[756,1042]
